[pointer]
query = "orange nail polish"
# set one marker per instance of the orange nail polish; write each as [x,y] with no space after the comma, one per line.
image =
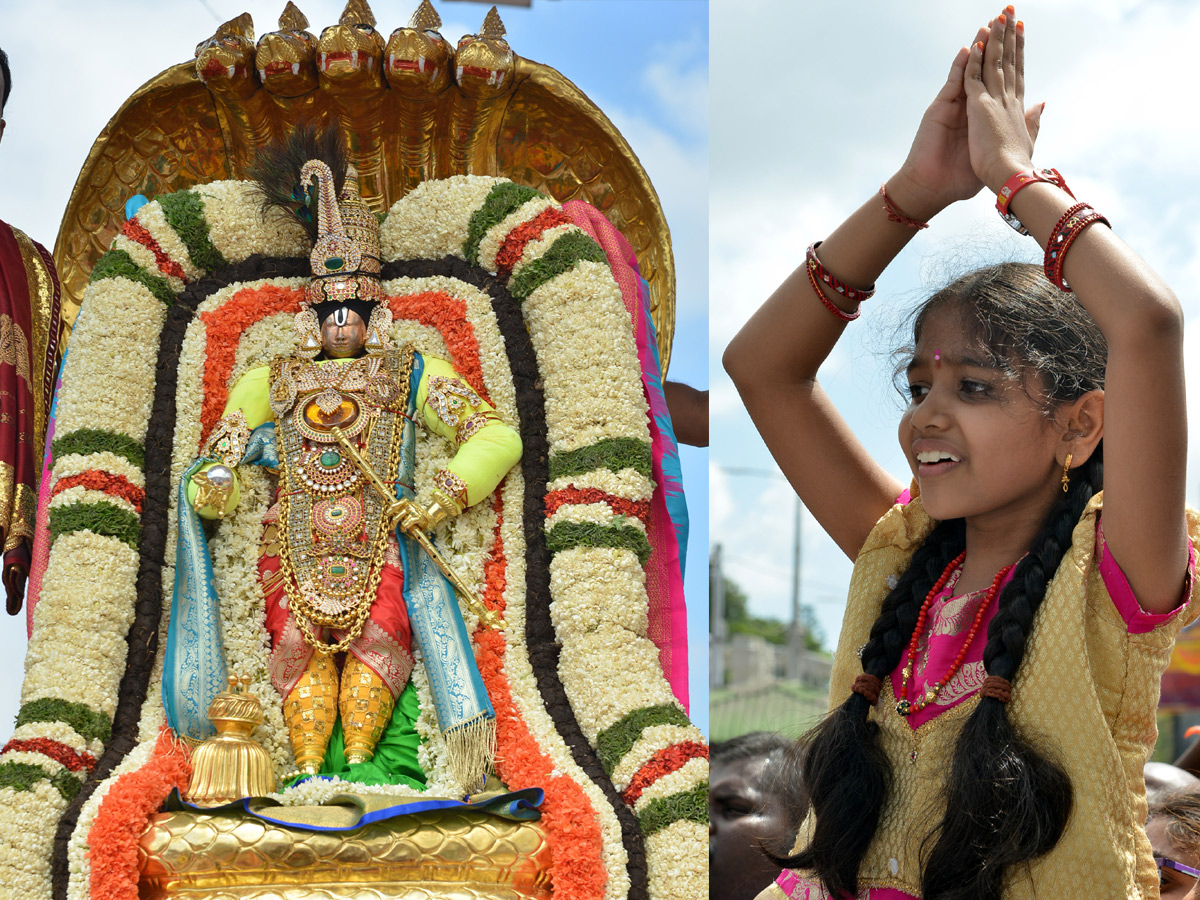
[1020,26]
[1009,9]
[1001,19]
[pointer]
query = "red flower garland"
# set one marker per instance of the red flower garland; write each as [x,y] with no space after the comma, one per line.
[634,509]
[512,248]
[571,824]
[136,232]
[448,314]
[224,327]
[109,483]
[123,814]
[60,753]
[664,762]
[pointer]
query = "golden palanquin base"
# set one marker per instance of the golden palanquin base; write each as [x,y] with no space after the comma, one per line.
[429,856]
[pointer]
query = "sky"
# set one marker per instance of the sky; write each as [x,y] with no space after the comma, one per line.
[813,105]
[643,62]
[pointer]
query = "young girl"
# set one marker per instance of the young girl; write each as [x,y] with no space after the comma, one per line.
[994,690]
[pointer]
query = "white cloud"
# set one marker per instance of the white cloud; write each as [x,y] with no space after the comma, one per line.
[812,107]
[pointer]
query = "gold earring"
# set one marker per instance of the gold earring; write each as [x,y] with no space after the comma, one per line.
[1066,479]
[378,329]
[308,329]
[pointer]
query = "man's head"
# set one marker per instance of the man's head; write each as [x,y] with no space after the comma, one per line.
[5,87]
[754,804]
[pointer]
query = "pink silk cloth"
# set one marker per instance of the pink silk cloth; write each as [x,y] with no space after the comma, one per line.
[667,626]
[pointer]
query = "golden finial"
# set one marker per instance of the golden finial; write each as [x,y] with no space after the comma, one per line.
[242,26]
[291,19]
[357,12]
[425,18]
[231,765]
[492,26]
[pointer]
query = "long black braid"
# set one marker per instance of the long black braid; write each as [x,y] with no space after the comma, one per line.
[1006,804]
[845,770]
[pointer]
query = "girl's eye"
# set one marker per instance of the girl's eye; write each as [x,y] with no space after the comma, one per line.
[972,388]
[917,391]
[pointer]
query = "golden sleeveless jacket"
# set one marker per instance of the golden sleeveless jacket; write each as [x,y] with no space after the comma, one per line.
[1086,694]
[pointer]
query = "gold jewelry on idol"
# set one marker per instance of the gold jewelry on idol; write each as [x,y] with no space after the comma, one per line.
[310,710]
[365,705]
[379,329]
[308,329]
[1066,477]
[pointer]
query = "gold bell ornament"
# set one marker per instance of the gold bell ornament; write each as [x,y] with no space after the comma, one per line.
[231,765]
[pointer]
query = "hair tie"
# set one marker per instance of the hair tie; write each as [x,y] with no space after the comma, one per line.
[996,687]
[869,686]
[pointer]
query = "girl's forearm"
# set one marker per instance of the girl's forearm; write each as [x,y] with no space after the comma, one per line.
[1127,299]
[791,334]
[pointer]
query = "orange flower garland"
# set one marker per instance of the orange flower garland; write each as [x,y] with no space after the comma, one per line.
[437,309]
[664,762]
[515,242]
[572,827]
[634,509]
[122,816]
[137,233]
[224,326]
[59,752]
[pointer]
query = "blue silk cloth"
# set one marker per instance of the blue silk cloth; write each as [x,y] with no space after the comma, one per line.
[194,669]
[459,697]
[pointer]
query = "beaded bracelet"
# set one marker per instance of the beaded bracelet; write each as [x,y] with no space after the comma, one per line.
[810,267]
[1066,229]
[854,295]
[1024,179]
[895,214]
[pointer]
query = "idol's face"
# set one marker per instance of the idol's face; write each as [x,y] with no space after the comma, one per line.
[343,334]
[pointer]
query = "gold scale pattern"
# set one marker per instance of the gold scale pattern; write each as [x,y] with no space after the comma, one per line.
[501,115]
[456,855]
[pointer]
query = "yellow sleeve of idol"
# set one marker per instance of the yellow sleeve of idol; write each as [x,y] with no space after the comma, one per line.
[487,447]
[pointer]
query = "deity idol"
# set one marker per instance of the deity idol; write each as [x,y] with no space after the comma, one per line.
[336,578]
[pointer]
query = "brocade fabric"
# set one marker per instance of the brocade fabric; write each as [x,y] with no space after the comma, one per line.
[1086,695]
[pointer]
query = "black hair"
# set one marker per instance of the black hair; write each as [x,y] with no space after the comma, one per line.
[7,79]
[744,746]
[1005,801]
[1181,809]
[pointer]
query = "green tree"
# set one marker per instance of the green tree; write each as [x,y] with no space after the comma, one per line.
[740,621]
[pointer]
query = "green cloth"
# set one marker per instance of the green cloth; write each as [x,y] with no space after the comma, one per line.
[395,760]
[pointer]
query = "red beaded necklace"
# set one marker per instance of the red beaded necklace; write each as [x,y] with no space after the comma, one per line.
[905,707]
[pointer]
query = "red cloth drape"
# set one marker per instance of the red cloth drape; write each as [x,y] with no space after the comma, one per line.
[21,377]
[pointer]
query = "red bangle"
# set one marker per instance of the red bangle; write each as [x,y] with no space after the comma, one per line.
[854,295]
[895,214]
[1066,230]
[1024,179]
[816,286]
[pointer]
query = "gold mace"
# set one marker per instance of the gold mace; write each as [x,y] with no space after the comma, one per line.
[394,510]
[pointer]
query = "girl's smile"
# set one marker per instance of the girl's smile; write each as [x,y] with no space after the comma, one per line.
[976,437]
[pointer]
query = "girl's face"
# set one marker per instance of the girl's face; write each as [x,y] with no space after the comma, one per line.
[977,440]
[1173,885]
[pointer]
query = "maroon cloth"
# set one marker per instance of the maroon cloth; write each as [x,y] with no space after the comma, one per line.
[20,443]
